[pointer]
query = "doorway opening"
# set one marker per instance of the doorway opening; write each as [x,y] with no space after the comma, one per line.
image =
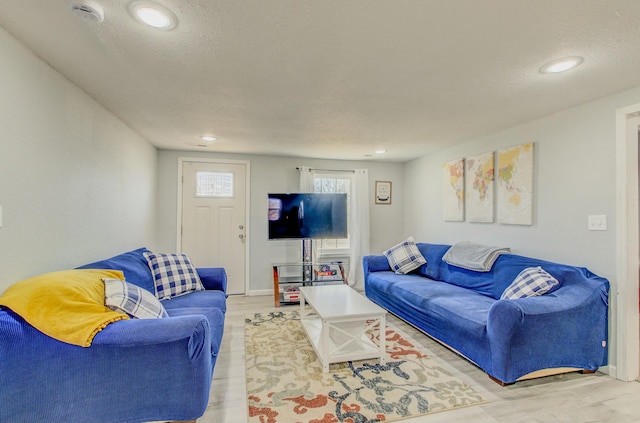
[624,295]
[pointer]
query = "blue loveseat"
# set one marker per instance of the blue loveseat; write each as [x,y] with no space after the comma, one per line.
[564,330]
[136,370]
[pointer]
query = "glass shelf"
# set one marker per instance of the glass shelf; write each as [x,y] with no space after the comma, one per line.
[293,275]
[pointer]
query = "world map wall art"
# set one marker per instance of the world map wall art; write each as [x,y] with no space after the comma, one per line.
[515,185]
[479,187]
[453,190]
[472,187]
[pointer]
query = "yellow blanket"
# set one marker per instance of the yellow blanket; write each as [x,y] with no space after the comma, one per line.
[66,305]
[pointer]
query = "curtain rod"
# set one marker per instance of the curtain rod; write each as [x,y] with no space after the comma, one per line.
[330,170]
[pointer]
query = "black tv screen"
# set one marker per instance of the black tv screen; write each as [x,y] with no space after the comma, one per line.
[307,215]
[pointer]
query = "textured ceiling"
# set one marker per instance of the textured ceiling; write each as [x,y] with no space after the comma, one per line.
[335,79]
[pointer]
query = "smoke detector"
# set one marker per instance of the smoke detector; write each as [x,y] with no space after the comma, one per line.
[89,10]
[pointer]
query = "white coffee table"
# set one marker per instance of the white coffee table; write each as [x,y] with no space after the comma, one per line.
[337,323]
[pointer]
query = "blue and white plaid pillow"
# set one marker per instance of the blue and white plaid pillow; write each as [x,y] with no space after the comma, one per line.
[128,298]
[404,257]
[173,274]
[531,282]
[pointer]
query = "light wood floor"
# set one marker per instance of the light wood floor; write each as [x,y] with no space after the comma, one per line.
[571,398]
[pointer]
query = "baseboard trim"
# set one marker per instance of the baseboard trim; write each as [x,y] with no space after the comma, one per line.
[258,292]
[609,370]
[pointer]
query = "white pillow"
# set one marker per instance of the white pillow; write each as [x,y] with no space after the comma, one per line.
[128,298]
[404,257]
[531,282]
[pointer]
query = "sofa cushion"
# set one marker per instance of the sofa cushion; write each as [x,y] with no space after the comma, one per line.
[404,257]
[133,265]
[443,310]
[173,274]
[531,282]
[207,298]
[128,298]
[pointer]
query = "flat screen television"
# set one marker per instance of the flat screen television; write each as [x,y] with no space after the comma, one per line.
[307,215]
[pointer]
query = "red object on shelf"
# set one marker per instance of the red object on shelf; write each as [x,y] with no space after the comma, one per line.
[292,294]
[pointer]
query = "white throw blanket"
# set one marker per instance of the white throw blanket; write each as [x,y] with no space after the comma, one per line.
[471,256]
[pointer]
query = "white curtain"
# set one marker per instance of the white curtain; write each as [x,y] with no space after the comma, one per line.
[359,228]
[306,179]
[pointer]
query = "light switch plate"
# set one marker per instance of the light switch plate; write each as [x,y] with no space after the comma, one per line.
[597,222]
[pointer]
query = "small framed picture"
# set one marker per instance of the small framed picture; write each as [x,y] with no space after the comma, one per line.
[383,192]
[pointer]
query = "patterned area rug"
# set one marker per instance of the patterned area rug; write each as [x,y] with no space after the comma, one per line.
[285,383]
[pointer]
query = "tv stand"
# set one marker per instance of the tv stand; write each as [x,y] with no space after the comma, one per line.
[305,273]
[291,276]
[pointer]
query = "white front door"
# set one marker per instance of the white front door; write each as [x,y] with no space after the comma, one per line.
[213,218]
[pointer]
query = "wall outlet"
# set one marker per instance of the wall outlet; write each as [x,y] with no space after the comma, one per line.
[597,222]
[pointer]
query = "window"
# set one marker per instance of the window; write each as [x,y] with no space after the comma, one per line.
[214,184]
[334,183]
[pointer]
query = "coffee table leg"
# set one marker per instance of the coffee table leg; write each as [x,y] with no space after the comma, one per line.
[325,346]
[383,340]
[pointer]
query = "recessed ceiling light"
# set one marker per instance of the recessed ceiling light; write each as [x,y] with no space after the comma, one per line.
[380,151]
[153,15]
[209,138]
[561,65]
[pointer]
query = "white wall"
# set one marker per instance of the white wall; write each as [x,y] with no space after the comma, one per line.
[279,174]
[76,184]
[575,176]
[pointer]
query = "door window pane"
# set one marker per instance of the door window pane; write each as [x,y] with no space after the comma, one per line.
[214,184]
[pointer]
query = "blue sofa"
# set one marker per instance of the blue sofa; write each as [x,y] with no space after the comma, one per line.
[564,330]
[136,370]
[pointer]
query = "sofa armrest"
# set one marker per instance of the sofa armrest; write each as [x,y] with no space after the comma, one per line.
[144,332]
[375,263]
[124,375]
[213,278]
[567,328]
